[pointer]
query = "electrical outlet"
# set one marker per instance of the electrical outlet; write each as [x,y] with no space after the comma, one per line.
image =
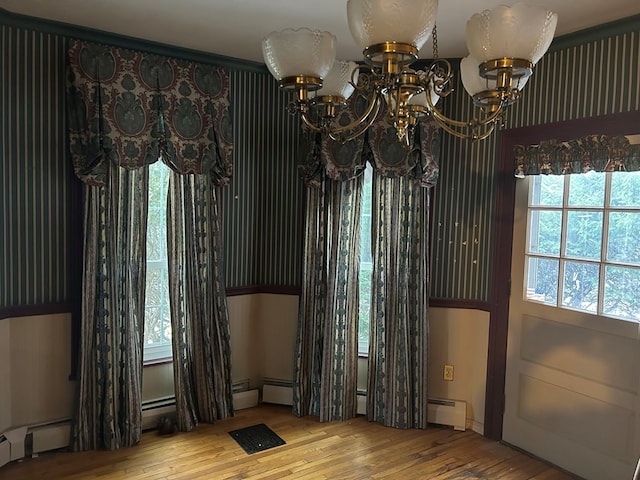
[448,373]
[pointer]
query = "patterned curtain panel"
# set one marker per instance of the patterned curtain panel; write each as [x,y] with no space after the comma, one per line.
[325,377]
[399,328]
[601,153]
[132,108]
[326,355]
[399,323]
[110,365]
[199,316]
[126,110]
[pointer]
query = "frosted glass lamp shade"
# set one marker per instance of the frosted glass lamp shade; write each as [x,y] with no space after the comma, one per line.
[336,83]
[378,21]
[471,80]
[521,31]
[473,83]
[421,99]
[301,52]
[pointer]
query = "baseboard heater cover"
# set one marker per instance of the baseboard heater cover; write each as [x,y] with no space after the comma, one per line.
[277,394]
[153,410]
[448,412]
[440,411]
[51,436]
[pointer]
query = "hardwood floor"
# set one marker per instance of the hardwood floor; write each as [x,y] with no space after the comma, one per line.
[355,449]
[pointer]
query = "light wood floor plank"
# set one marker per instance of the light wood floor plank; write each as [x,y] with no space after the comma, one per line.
[351,450]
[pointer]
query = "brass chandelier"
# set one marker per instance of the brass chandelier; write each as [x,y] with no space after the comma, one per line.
[504,44]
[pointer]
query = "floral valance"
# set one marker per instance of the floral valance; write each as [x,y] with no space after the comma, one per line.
[601,153]
[379,145]
[132,108]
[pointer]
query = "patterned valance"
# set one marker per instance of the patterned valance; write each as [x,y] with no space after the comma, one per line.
[601,153]
[132,108]
[379,145]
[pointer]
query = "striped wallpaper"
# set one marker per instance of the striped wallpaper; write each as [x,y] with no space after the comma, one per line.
[576,79]
[35,181]
[262,208]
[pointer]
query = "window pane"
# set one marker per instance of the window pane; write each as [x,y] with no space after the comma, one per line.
[366,265]
[153,331]
[587,189]
[569,237]
[584,234]
[625,189]
[365,220]
[547,190]
[624,237]
[545,229]
[156,242]
[366,272]
[621,297]
[580,286]
[157,330]
[542,280]
[154,294]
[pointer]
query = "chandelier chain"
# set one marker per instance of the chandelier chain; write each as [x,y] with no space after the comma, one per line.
[434,36]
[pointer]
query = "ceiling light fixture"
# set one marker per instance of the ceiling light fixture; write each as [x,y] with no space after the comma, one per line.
[504,44]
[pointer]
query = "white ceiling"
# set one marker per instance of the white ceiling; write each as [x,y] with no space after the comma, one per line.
[235,28]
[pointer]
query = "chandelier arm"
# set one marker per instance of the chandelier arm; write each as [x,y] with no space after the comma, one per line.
[492,118]
[361,127]
[450,129]
[309,123]
[367,117]
[485,135]
[467,136]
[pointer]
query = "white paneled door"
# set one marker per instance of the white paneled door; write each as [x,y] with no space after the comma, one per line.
[571,394]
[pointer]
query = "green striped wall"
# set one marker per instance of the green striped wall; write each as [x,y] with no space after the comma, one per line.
[576,79]
[35,183]
[263,205]
[261,209]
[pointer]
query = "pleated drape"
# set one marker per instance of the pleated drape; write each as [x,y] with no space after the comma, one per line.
[109,413]
[399,323]
[199,315]
[325,377]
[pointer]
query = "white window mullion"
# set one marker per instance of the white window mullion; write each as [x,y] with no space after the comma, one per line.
[605,242]
[563,241]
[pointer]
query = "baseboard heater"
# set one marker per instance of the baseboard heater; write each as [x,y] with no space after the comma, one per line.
[20,442]
[29,441]
[152,411]
[440,411]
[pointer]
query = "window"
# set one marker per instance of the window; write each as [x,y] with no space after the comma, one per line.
[583,243]
[157,321]
[366,263]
